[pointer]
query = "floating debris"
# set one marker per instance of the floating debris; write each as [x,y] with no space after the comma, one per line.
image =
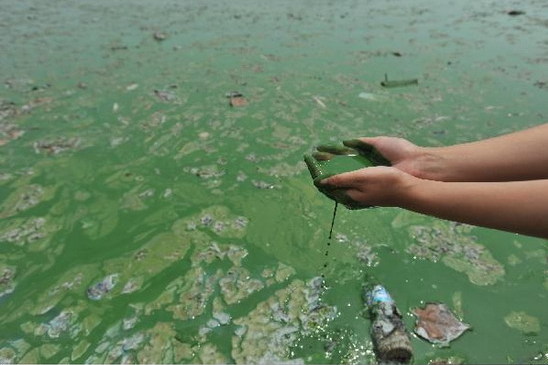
[451,243]
[24,198]
[231,226]
[132,87]
[398,83]
[222,317]
[159,36]
[100,289]
[132,285]
[235,98]
[35,103]
[59,324]
[436,324]
[263,185]
[129,323]
[368,96]
[165,96]
[238,285]
[119,48]
[8,131]
[523,322]
[319,101]
[515,12]
[267,333]
[192,302]
[21,231]
[541,85]
[57,145]
[7,284]
[8,356]
[366,255]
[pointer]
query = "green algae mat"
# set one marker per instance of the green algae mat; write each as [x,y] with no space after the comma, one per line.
[154,206]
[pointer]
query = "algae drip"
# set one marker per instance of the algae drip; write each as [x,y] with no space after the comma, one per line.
[329,238]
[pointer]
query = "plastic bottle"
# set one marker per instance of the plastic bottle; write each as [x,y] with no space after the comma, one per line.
[390,338]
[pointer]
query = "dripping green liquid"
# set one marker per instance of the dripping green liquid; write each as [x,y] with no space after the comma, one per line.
[330,235]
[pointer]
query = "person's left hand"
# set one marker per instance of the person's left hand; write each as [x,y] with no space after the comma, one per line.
[371,186]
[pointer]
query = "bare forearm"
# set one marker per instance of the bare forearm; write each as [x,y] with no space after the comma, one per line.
[517,156]
[520,207]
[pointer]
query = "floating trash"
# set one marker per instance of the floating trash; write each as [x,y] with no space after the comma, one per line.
[235,98]
[398,83]
[436,324]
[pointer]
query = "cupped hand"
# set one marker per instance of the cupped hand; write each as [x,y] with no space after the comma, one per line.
[400,153]
[372,186]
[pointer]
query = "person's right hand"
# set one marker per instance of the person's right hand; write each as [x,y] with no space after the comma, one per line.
[401,153]
[384,186]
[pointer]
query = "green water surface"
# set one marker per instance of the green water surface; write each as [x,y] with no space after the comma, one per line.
[167,226]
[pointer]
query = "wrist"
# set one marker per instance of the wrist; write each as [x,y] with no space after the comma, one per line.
[408,191]
[416,192]
[431,164]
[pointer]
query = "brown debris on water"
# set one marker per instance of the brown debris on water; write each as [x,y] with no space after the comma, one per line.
[437,324]
[235,98]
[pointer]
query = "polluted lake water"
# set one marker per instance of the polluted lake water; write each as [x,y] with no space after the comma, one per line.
[154,206]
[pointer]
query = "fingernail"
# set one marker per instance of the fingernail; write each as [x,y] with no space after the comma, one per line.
[321,181]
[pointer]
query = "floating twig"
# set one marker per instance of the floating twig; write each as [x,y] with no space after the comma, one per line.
[398,83]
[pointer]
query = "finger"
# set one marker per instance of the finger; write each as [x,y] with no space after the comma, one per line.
[354,197]
[322,156]
[337,150]
[313,166]
[359,144]
[366,147]
[340,196]
[344,180]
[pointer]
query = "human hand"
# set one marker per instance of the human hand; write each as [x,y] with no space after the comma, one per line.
[393,151]
[372,186]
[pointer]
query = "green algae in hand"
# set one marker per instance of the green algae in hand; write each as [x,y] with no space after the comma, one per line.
[334,160]
[336,164]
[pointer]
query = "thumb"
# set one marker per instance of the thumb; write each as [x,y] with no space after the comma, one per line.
[368,147]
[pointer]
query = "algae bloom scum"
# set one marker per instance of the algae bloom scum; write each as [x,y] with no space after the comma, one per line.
[154,206]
